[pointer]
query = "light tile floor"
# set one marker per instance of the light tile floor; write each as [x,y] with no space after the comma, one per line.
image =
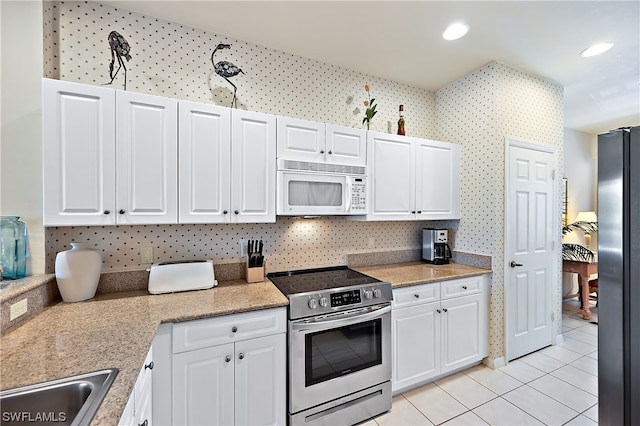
[557,385]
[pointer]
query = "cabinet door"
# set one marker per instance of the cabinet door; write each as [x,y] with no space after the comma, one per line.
[78,146]
[415,345]
[261,381]
[203,386]
[392,177]
[147,163]
[205,163]
[437,180]
[253,170]
[462,320]
[301,140]
[346,145]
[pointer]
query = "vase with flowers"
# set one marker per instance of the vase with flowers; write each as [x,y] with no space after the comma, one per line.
[371,107]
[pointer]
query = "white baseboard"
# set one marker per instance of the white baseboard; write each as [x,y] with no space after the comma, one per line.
[494,362]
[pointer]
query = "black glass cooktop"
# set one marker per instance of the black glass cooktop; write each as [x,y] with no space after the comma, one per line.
[309,280]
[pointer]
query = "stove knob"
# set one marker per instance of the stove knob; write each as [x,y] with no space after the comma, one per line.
[323,302]
[313,303]
[368,294]
[377,293]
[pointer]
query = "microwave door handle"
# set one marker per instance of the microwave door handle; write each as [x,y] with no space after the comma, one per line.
[333,323]
[348,195]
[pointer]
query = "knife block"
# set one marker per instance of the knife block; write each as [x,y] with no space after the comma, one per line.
[255,274]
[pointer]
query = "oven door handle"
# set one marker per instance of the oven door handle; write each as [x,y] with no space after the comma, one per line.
[345,320]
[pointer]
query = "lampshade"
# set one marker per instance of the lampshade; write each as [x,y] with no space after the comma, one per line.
[586,217]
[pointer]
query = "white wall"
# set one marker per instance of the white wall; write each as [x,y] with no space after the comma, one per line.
[20,158]
[581,171]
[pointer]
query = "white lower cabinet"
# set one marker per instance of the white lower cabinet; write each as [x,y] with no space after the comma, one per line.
[230,370]
[438,328]
[139,408]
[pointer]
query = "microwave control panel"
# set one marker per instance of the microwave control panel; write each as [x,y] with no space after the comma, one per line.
[359,195]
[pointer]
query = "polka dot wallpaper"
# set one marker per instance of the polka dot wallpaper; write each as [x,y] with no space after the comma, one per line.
[479,111]
[173,60]
[291,243]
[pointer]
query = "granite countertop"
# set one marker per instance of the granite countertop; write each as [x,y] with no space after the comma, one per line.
[413,273]
[115,330]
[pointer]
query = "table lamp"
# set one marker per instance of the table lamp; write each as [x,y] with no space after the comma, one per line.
[587,217]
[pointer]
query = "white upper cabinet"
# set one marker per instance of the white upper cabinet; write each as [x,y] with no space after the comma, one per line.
[78,129]
[253,167]
[437,180]
[205,163]
[391,164]
[412,179]
[109,157]
[147,162]
[227,165]
[302,140]
[346,145]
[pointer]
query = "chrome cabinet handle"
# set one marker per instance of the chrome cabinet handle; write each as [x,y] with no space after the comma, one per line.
[513,264]
[241,356]
[149,366]
[228,358]
[234,329]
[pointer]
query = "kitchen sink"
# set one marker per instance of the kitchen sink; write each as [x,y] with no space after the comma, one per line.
[68,401]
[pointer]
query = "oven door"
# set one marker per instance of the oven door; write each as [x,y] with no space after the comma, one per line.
[338,354]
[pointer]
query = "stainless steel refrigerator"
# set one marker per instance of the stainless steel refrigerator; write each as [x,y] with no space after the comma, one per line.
[619,277]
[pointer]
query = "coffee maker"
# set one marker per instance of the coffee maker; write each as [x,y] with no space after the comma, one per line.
[434,246]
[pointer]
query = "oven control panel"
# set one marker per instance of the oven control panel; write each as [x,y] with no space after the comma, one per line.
[325,302]
[343,298]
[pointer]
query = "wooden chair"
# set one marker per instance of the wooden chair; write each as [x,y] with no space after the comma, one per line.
[593,288]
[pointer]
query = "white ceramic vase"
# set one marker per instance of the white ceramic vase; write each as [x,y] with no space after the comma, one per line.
[78,272]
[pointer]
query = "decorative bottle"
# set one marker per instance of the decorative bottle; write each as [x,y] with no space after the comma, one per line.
[401,121]
[78,272]
[13,247]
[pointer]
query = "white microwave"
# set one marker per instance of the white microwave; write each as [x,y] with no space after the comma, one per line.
[317,189]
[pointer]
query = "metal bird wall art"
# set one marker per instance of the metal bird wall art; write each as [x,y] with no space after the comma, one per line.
[226,69]
[119,48]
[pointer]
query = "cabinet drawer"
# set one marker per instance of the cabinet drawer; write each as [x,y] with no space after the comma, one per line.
[461,287]
[191,335]
[416,294]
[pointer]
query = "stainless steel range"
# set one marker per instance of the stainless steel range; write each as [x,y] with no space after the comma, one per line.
[339,345]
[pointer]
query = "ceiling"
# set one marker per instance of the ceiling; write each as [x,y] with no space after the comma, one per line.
[401,41]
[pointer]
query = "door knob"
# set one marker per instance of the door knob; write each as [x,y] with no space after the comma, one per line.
[513,264]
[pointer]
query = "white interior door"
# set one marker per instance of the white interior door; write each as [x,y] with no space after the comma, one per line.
[530,252]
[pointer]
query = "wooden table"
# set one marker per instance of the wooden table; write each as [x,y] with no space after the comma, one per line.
[584,271]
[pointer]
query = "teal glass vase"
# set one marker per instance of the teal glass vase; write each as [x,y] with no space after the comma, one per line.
[13,247]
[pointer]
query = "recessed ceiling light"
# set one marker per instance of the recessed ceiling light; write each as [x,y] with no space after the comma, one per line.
[596,49]
[455,31]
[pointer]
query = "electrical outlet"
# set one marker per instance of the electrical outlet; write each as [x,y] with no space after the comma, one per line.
[17,309]
[244,246]
[146,254]
[371,243]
